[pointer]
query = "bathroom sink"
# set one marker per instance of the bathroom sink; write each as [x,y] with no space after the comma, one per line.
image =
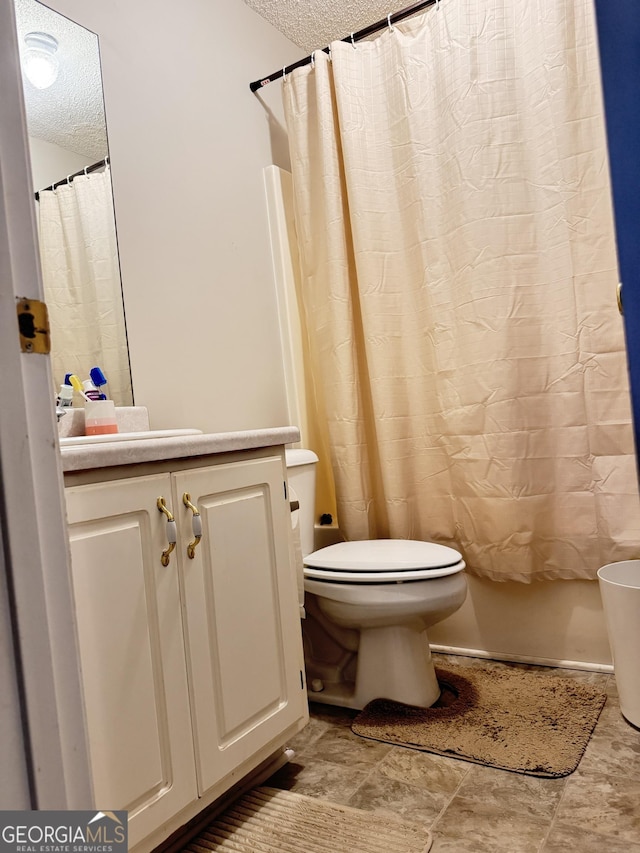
[80,440]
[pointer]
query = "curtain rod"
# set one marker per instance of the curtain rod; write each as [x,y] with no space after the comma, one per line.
[361,34]
[92,168]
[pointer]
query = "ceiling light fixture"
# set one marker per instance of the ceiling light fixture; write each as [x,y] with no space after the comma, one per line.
[39,60]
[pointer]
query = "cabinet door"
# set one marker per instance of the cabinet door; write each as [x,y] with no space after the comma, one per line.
[131,650]
[244,645]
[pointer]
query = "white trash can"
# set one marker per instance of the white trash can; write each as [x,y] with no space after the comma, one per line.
[620,591]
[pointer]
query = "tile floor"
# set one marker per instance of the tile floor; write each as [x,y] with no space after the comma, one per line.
[473,809]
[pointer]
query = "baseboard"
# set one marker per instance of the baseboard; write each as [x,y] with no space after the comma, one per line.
[535,661]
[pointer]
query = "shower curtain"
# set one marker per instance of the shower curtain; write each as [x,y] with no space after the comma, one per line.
[458,275]
[81,277]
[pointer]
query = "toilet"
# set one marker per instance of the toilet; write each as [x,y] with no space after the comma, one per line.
[368,606]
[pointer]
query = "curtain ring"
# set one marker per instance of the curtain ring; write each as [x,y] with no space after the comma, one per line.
[437,5]
[330,54]
[68,180]
[313,59]
[389,22]
[284,73]
[353,44]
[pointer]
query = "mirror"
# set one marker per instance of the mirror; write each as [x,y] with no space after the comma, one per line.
[62,85]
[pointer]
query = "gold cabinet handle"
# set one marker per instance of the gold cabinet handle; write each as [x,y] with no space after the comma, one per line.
[196,522]
[172,533]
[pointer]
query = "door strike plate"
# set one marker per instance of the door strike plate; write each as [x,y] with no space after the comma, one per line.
[33,326]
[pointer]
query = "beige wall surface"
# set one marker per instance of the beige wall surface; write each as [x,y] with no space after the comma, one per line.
[188,143]
[51,163]
[554,622]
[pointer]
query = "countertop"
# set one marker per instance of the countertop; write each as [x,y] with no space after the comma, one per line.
[83,458]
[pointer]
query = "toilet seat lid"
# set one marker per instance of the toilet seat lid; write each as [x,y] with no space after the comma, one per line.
[383,559]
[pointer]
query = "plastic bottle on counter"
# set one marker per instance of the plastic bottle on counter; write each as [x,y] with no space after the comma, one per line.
[65,396]
[90,390]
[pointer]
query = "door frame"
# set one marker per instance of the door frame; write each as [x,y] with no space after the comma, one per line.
[618,25]
[32,518]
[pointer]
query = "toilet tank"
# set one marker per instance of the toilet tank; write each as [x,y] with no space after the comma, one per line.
[301,474]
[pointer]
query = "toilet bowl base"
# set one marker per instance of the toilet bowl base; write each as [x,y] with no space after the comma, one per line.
[393,663]
[340,694]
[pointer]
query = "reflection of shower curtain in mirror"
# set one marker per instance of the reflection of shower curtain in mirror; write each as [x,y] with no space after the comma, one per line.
[82,282]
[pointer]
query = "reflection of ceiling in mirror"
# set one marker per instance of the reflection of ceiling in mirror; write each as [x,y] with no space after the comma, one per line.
[313,24]
[70,113]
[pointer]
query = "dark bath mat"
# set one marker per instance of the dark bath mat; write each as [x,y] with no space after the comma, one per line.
[510,718]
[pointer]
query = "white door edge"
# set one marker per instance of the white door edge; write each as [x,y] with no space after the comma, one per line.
[31,497]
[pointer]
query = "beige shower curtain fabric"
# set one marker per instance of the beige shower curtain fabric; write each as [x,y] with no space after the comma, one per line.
[458,273]
[81,277]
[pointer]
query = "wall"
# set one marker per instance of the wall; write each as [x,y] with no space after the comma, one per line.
[188,143]
[547,622]
[51,163]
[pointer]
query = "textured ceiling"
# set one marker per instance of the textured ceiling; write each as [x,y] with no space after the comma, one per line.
[313,24]
[70,113]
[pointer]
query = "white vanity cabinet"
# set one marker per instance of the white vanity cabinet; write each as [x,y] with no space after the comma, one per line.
[192,671]
[132,650]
